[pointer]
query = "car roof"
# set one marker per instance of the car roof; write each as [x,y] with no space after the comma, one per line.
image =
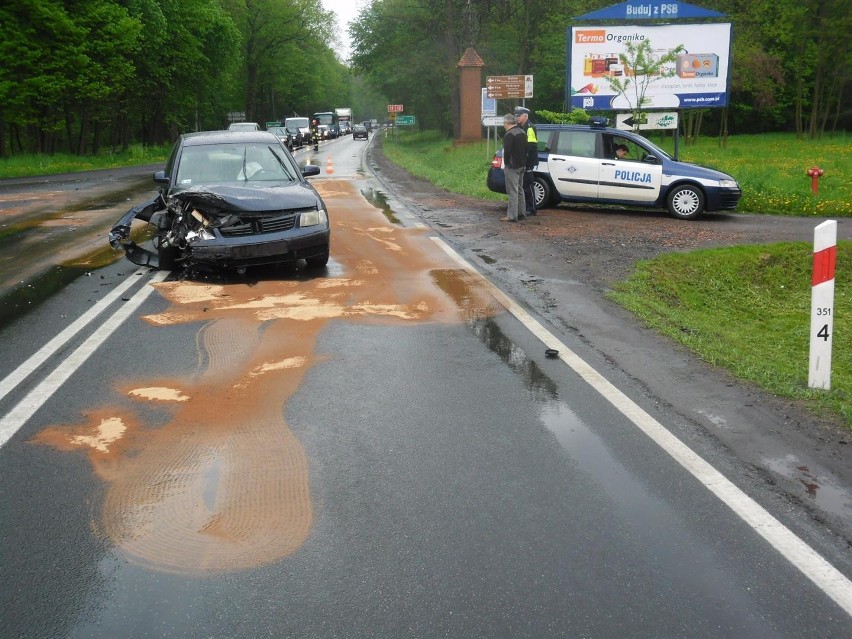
[576,127]
[212,137]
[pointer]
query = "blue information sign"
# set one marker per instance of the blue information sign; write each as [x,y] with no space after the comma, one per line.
[650,10]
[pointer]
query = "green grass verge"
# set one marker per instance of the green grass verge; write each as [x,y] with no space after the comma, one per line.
[38,164]
[747,309]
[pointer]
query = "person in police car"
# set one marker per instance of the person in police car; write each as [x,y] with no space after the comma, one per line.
[621,152]
[522,115]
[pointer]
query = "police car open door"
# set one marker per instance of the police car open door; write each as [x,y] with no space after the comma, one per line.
[633,178]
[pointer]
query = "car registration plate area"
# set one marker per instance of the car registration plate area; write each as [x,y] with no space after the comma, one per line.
[267,249]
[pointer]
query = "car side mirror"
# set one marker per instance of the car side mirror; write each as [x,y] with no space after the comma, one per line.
[160,177]
[310,169]
[650,159]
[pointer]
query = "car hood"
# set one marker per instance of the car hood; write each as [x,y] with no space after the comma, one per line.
[688,169]
[252,199]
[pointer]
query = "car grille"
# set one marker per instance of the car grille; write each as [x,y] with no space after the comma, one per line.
[271,222]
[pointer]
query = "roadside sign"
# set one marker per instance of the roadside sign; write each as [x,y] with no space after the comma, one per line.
[394,108]
[405,120]
[509,86]
[489,105]
[237,116]
[822,304]
[492,120]
[650,121]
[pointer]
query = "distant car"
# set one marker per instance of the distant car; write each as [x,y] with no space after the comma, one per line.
[243,126]
[300,129]
[228,200]
[345,127]
[284,135]
[324,132]
[578,163]
[359,131]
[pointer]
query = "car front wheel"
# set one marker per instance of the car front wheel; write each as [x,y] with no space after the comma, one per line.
[318,261]
[685,202]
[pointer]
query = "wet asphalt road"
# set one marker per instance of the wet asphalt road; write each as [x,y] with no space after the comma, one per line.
[378,450]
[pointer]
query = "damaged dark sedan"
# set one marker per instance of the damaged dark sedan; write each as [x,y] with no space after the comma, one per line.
[229,200]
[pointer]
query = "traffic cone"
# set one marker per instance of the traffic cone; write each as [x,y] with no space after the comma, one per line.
[329,167]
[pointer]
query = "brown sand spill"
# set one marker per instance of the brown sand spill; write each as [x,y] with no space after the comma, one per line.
[223,484]
[159,393]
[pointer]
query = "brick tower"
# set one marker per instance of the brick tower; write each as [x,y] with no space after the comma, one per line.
[470,94]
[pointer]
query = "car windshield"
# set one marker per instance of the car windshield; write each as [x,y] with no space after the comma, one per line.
[277,130]
[243,126]
[657,150]
[294,124]
[230,163]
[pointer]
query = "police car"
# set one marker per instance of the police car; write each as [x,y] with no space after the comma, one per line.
[583,163]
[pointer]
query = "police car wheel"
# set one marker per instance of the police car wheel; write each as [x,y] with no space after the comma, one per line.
[541,192]
[686,202]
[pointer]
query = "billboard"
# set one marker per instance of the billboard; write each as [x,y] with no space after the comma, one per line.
[700,73]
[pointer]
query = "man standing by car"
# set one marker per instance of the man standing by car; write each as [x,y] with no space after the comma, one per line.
[514,165]
[522,115]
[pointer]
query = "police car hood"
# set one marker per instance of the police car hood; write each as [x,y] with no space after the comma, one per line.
[687,169]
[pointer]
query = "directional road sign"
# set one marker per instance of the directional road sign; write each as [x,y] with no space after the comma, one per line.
[492,120]
[651,120]
[395,108]
[509,86]
[405,120]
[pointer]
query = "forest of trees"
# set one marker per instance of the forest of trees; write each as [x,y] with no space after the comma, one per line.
[81,75]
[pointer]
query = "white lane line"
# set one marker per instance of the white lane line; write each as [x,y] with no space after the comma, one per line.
[20,414]
[810,563]
[23,371]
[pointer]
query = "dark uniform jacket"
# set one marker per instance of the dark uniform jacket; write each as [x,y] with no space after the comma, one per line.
[532,144]
[515,148]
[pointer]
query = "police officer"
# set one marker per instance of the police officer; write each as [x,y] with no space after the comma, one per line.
[315,133]
[522,115]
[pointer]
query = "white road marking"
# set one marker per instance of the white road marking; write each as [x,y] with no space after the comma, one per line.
[23,371]
[20,414]
[827,578]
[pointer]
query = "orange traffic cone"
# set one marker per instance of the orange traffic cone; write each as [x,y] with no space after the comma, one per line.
[329,167]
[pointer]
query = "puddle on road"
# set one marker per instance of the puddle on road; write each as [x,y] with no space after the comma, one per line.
[479,309]
[223,483]
[485,258]
[827,494]
[380,201]
[31,294]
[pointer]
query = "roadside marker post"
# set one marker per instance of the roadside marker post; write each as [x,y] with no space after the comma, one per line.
[822,304]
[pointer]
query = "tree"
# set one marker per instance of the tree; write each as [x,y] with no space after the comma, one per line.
[641,68]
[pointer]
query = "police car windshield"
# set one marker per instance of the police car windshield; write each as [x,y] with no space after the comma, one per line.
[653,147]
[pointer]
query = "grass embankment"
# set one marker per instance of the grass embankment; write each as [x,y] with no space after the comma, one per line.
[30,164]
[747,309]
[744,308]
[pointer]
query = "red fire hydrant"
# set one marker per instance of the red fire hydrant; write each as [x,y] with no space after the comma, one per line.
[816,173]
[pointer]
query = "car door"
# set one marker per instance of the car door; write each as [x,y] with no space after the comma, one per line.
[574,164]
[634,178]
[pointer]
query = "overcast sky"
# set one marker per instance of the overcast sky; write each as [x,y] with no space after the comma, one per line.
[346,10]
